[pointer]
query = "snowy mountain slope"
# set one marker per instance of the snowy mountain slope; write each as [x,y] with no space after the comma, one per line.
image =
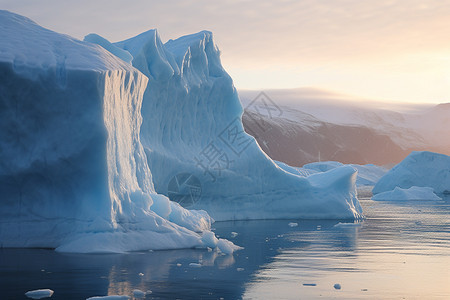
[349,131]
[198,151]
[73,172]
[298,143]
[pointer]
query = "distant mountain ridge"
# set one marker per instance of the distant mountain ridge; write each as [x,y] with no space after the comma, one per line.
[313,125]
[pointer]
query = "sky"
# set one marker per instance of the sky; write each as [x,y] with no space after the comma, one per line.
[384,50]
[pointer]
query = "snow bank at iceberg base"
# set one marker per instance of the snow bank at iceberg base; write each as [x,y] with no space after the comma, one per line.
[73,172]
[412,193]
[198,151]
[421,169]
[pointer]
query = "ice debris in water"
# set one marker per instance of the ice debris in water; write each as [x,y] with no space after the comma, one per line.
[39,294]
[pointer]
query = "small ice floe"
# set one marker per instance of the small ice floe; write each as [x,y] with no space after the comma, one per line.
[112,297]
[309,284]
[347,224]
[293,224]
[337,286]
[234,234]
[227,247]
[195,265]
[240,269]
[141,274]
[139,294]
[39,294]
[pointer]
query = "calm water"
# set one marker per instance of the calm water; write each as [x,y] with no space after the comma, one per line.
[401,251]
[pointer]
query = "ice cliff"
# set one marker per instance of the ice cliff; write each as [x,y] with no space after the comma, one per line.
[73,172]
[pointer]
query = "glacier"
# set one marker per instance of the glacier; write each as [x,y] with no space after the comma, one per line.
[73,172]
[420,169]
[192,130]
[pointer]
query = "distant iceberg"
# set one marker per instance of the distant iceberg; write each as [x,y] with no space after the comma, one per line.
[421,169]
[412,193]
[368,175]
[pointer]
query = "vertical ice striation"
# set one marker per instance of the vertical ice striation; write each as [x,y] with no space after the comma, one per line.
[73,172]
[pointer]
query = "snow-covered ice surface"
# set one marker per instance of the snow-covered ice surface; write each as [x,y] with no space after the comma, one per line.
[39,294]
[192,129]
[73,172]
[412,193]
[421,169]
[368,175]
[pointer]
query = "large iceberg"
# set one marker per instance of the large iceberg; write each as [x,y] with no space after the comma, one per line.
[421,169]
[198,151]
[73,172]
[87,141]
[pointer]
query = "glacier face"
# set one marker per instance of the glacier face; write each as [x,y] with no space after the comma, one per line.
[73,172]
[192,127]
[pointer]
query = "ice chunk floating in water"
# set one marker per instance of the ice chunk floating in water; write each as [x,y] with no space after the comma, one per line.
[39,294]
[112,297]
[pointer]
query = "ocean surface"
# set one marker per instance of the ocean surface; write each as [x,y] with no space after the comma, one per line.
[400,251]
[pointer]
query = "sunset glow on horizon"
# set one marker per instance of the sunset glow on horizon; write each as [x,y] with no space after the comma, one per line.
[384,50]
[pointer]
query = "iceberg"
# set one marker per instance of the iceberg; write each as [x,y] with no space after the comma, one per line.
[92,146]
[368,175]
[420,169]
[198,151]
[412,193]
[73,171]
